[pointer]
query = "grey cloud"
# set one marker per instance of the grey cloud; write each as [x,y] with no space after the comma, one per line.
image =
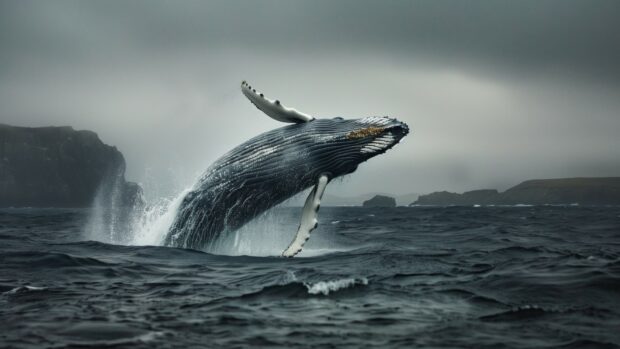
[495,91]
[577,36]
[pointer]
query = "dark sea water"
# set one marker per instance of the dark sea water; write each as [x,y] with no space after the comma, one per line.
[455,277]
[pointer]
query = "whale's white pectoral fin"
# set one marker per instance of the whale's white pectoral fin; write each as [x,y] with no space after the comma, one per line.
[273,108]
[308,218]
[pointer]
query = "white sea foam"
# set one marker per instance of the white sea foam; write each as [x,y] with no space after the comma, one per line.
[22,289]
[313,252]
[326,287]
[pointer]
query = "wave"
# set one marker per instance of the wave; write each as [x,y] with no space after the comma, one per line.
[532,311]
[24,289]
[587,343]
[473,297]
[101,334]
[291,289]
[326,287]
[35,259]
[521,313]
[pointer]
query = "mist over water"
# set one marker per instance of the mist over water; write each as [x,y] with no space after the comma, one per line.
[110,220]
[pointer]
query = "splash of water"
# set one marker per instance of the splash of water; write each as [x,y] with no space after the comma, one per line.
[152,224]
[148,224]
[144,224]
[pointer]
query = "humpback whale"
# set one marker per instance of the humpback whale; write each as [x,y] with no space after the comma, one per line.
[273,166]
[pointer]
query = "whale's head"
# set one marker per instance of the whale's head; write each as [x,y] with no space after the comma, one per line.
[315,146]
[339,145]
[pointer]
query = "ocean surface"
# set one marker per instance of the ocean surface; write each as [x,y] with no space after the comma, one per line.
[433,277]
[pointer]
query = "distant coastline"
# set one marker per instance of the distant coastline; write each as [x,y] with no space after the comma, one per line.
[62,167]
[559,191]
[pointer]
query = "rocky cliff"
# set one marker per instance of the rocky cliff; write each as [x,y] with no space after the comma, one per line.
[483,196]
[58,167]
[583,191]
[380,201]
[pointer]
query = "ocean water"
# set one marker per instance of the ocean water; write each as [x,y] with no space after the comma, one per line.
[436,277]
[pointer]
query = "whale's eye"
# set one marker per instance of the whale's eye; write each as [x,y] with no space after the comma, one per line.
[365,132]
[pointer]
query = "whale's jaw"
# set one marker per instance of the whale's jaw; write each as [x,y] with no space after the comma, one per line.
[385,137]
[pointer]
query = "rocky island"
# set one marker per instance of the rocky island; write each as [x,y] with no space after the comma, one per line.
[58,167]
[380,201]
[582,191]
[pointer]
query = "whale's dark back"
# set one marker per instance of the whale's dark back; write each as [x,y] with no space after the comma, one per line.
[263,172]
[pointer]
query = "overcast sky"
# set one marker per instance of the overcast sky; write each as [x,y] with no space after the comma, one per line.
[495,92]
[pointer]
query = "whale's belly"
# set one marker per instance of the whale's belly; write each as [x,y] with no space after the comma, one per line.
[222,206]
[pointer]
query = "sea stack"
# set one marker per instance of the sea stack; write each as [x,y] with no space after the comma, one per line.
[380,201]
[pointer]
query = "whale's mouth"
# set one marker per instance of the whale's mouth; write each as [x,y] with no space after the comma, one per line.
[380,144]
[388,137]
